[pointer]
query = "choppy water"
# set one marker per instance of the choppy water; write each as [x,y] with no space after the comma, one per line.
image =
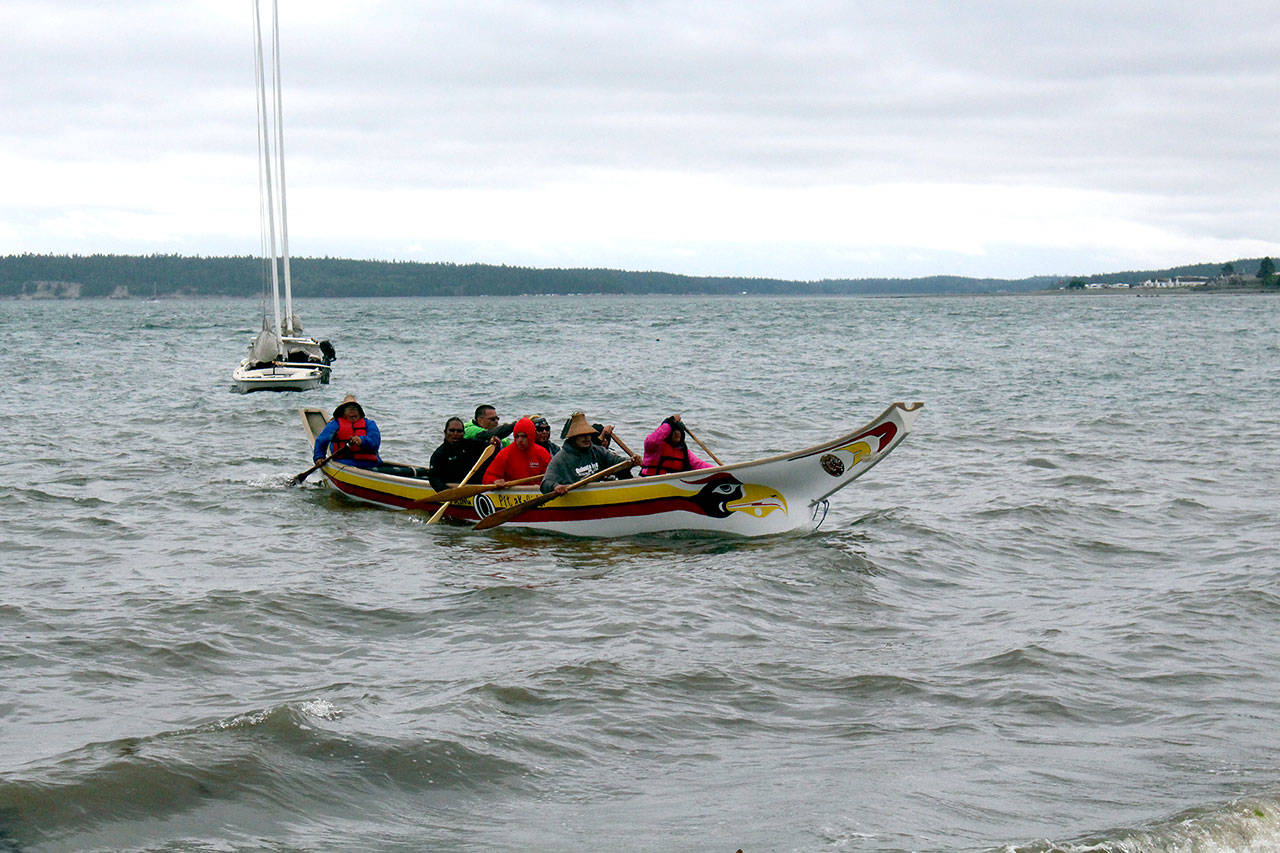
[1048,621]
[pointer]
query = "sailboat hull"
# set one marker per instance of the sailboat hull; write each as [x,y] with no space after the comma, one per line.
[280,377]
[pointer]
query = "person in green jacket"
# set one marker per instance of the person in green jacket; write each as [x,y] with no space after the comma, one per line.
[485,426]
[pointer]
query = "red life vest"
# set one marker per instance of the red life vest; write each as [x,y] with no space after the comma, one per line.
[670,459]
[346,431]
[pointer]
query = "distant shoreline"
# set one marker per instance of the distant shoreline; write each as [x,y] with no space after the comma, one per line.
[1176,292]
[135,277]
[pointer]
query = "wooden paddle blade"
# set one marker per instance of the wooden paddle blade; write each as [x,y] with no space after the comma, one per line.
[436,515]
[423,503]
[454,494]
[457,493]
[502,516]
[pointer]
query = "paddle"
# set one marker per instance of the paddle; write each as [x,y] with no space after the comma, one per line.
[625,449]
[297,481]
[502,516]
[484,454]
[457,493]
[705,449]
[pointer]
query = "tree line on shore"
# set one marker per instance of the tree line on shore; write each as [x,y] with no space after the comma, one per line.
[145,276]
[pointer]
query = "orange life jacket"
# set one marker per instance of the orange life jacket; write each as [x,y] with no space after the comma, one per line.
[346,431]
[669,459]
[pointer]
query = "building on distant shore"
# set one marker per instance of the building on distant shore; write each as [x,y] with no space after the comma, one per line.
[1178,281]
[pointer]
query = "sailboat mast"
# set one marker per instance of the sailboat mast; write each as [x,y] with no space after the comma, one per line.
[284,218]
[267,199]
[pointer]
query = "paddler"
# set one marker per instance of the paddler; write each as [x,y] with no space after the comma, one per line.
[524,457]
[665,450]
[602,436]
[542,434]
[354,440]
[580,457]
[485,426]
[456,455]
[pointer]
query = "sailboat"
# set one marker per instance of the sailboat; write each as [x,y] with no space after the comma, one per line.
[280,358]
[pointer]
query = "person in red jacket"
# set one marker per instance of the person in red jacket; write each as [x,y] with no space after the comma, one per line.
[523,457]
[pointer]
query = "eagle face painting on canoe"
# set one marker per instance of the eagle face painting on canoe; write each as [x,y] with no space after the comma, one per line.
[777,494]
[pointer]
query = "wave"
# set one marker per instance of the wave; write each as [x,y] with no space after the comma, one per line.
[1239,826]
[287,759]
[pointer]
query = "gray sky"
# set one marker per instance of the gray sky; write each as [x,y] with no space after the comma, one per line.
[806,139]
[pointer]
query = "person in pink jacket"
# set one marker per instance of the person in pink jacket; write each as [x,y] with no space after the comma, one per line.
[665,450]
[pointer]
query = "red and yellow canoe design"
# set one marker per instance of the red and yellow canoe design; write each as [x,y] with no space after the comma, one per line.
[777,494]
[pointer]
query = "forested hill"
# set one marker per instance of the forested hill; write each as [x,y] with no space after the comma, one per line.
[120,276]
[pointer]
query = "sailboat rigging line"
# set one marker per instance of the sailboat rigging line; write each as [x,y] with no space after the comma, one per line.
[264,173]
[278,89]
[263,256]
[279,359]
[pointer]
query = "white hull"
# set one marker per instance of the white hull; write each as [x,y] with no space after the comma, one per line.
[277,378]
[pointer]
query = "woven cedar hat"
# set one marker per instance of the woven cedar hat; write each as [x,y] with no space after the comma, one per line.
[350,399]
[578,426]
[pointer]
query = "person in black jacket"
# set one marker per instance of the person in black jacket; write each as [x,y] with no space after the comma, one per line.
[453,459]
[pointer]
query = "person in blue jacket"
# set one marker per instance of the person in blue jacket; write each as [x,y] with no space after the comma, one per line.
[354,439]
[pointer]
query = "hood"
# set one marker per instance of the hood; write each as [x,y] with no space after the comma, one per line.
[525,426]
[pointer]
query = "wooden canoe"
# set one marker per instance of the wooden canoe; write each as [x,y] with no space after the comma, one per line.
[762,497]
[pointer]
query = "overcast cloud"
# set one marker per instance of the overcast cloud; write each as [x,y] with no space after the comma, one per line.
[798,140]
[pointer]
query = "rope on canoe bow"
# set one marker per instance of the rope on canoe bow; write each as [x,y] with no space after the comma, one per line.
[823,505]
